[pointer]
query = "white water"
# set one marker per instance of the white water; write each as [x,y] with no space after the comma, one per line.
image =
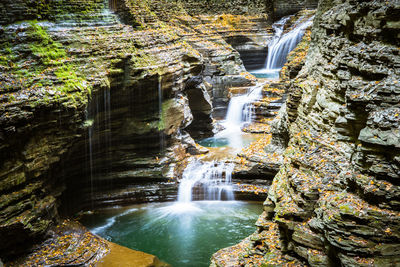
[239,113]
[213,178]
[281,45]
[209,180]
[111,221]
[241,107]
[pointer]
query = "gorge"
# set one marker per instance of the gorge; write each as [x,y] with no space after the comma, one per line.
[163,126]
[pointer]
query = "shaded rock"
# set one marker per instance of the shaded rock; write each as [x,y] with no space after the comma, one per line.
[334,197]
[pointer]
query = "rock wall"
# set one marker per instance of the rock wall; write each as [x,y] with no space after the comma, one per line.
[283,8]
[237,7]
[96,115]
[335,199]
[145,12]
[19,10]
[94,112]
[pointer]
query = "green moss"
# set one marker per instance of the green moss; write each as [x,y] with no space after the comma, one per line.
[88,123]
[73,86]
[70,89]
[48,51]
[71,81]
[143,60]
[3,60]
[11,98]
[161,122]
[115,72]
[7,57]
[345,208]
[51,54]
[165,107]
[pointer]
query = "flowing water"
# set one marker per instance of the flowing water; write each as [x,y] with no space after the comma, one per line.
[241,108]
[213,181]
[184,239]
[280,46]
[160,100]
[185,232]
[239,113]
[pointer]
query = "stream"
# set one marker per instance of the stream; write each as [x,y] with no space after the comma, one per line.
[205,217]
[179,236]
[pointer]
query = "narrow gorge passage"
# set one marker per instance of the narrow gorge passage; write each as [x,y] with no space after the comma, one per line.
[199,133]
[189,230]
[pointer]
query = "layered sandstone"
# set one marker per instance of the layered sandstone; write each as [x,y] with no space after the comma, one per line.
[335,198]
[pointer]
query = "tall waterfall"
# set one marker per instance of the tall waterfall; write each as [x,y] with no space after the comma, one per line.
[212,180]
[160,111]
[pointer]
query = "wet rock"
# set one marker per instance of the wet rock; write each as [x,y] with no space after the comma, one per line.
[100,118]
[334,197]
[201,106]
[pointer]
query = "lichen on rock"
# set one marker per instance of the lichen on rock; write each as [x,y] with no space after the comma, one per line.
[333,201]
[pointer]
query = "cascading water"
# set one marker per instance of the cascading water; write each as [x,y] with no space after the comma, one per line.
[281,45]
[214,179]
[239,109]
[191,226]
[240,112]
[90,133]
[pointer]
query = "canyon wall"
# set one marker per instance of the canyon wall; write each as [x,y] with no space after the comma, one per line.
[335,200]
[18,10]
[283,8]
[94,112]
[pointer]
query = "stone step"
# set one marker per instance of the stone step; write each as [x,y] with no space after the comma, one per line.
[236,91]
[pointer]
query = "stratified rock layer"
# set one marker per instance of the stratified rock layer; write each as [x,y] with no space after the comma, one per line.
[335,200]
[94,112]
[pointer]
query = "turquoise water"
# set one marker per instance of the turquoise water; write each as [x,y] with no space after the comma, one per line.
[182,235]
[214,142]
[225,142]
[267,75]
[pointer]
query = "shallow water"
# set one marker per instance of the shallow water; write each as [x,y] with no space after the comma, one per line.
[245,139]
[267,74]
[214,142]
[181,234]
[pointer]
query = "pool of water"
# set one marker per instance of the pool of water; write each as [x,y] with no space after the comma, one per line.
[264,74]
[240,139]
[214,142]
[180,234]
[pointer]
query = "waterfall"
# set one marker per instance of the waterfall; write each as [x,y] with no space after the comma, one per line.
[160,112]
[281,45]
[240,110]
[90,133]
[212,180]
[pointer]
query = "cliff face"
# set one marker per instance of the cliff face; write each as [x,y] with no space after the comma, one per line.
[18,10]
[94,112]
[335,200]
[288,7]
